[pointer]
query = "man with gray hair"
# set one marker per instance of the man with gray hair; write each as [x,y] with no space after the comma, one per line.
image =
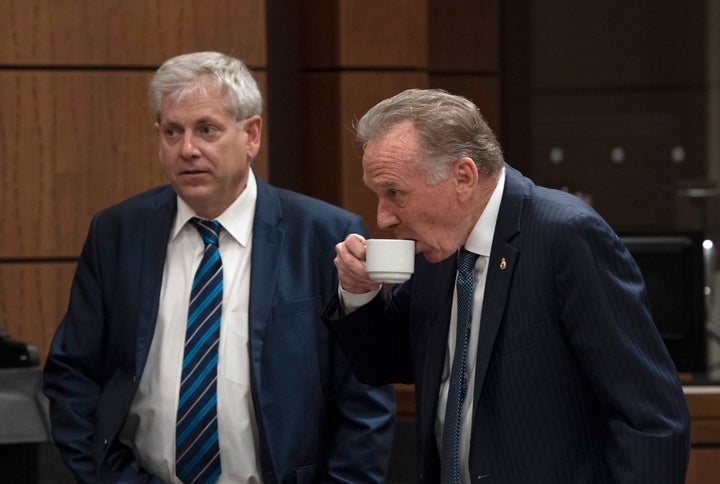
[525,327]
[192,349]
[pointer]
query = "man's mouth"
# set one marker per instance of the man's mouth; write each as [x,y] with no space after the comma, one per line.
[399,236]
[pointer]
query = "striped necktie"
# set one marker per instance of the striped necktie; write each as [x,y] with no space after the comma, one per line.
[197,451]
[450,459]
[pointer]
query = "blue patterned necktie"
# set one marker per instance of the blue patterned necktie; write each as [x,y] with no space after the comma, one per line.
[450,459]
[197,452]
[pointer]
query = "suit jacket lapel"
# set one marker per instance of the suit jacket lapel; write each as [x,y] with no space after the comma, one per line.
[154,232]
[267,240]
[501,265]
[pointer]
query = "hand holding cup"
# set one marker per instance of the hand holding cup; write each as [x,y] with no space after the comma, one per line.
[390,260]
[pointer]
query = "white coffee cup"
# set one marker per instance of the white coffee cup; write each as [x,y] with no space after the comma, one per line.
[390,260]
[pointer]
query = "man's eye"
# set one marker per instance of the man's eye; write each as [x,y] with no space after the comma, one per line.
[397,197]
[171,132]
[208,130]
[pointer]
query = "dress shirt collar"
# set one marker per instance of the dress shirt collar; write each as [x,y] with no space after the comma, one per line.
[481,237]
[237,219]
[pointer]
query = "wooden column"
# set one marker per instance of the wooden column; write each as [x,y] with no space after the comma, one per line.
[354,54]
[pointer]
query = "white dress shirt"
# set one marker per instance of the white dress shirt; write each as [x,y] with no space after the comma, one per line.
[150,428]
[479,242]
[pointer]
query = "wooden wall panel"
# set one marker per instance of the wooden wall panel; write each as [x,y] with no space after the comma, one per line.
[647,126]
[617,44]
[33,299]
[465,36]
[333,101]
[703,468]
[71,143]
[322,132]
[382,33]
[484,90]
[363,33]
[128,32]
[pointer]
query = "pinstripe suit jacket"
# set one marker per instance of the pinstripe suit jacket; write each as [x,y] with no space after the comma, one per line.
[573,382]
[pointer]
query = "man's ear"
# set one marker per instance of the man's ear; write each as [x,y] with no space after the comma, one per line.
[253,128]
[466,176]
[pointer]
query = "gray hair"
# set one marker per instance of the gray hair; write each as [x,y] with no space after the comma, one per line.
[187,74]
[449,127]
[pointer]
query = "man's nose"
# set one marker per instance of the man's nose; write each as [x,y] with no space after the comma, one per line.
[189,148]
[386,218]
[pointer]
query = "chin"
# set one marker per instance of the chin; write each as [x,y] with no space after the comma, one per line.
[194,196]
[435,256]
[430,256]
[193,190]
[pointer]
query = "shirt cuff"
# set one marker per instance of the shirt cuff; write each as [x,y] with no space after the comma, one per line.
[350,302]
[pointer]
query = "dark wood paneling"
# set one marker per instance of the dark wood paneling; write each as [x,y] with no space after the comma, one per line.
[319,33]
[590,78]
[379,33]
[484,91]
[642,188]
[617,43]
[464,36]
[321,138]
[332,102]
[72,143]
[703,468]
[128,32]
[364,33]
[704,405]
[333,157]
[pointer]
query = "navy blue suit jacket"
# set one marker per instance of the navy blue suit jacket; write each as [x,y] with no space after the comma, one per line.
[316,421]
[573,383]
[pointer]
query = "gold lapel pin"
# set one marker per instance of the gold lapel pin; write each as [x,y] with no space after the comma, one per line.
[503,264]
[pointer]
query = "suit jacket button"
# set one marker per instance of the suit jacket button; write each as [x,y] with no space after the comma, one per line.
[105,444]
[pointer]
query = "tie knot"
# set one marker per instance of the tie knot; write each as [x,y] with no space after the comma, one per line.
[466,260]
[209,230]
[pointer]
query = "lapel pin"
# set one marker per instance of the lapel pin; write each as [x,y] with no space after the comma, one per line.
[503,264]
